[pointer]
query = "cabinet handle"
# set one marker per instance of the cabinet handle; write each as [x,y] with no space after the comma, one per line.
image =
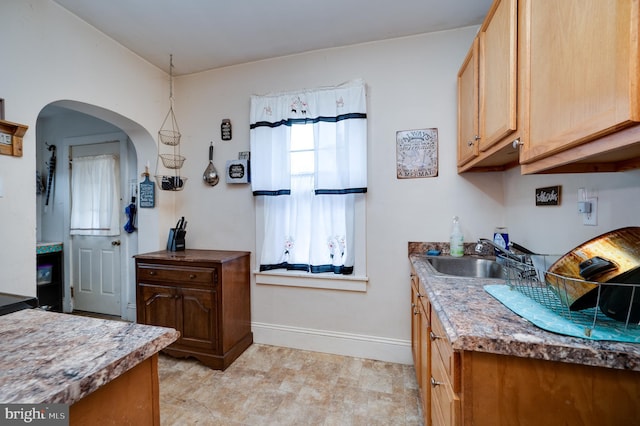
[435,383]
[433,336]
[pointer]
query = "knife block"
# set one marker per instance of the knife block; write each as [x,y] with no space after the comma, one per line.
[176,240]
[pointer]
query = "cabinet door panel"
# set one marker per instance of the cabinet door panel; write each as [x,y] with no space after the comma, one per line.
[583,72]
[199,318]
[468,107]
[415,325]
[159,306]
[425,361]
[498,73]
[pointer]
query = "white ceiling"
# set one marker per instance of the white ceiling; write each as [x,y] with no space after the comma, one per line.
[207,34]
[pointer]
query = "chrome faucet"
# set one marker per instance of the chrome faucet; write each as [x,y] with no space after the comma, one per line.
[483,241]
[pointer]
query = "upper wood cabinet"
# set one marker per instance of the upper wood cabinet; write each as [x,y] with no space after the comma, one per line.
[468,107]
[494,61]
[567,73]
[584,81]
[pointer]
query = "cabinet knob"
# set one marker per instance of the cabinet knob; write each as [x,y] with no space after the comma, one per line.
[152,272]
[416,311]
[192,276]
[516,143]
[469,143]
[435,383]
[433,337]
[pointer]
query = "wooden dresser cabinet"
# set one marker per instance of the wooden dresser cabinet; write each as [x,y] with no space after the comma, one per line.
[204,294]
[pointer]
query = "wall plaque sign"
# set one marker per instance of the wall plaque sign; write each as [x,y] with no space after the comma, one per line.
[147,193]
[549,196]
[417,153]
[237,171]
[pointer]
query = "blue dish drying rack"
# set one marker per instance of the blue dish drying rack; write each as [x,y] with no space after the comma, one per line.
[528,277]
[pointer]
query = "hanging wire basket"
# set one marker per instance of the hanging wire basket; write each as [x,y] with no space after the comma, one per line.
[171,183]
[172,161]
[169,133]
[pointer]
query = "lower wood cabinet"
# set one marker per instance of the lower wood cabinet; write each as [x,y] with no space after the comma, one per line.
[420,329]
[205,295]
[480,388]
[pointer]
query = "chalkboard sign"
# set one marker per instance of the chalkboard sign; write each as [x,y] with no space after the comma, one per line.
[147,193]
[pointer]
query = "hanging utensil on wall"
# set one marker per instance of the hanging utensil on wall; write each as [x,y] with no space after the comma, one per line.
[52,173]
[210,175]
[130,211]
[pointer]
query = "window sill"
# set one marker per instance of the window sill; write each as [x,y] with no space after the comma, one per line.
[326,281]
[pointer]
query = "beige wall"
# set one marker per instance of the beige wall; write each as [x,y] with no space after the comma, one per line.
[49,55]
[411,84]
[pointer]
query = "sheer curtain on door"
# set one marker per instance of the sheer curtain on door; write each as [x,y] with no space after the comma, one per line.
[309,162]
[95,195]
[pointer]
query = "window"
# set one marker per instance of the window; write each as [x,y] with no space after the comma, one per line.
[309,172]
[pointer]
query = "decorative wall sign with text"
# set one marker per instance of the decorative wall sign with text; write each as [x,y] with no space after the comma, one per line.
[225,130]
[237,171]
[417,153]
[549,196]
[147,193]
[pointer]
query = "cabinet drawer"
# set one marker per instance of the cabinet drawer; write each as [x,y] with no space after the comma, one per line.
[153,273]
[445,402]
[442,348]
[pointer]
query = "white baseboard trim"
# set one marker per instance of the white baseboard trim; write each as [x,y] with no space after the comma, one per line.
[348,344]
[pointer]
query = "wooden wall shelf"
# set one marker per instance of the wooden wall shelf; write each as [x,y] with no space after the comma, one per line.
[17,131]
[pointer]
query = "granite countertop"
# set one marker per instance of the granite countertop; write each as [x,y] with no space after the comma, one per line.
[44,247]
[48,357]
[475,321]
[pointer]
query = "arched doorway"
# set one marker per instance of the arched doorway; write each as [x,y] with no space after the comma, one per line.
[66,123]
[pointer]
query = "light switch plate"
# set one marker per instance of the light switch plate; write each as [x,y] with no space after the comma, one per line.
[591,219]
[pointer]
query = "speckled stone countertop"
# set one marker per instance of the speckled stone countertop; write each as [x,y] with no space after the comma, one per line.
[48,357]
[475,321]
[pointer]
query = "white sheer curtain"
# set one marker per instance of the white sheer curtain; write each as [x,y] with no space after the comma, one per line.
[95,195]
[309,179]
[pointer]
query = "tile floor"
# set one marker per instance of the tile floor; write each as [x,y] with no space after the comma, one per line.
[270,385]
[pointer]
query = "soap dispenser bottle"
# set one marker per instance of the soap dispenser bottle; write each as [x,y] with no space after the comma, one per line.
[456,240]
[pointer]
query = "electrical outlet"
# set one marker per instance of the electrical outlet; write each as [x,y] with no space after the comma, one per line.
[591,219]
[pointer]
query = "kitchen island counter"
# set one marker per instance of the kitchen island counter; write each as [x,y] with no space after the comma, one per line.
[475,321]
[48,357]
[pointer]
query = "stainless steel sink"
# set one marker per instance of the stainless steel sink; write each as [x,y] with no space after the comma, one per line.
[467,266]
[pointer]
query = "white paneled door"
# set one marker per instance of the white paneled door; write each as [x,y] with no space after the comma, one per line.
[96,263]
[96,269]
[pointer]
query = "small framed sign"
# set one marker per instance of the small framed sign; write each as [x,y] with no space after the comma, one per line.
[225,130]
[147,193]
[237,171]
[417,153]
[549,196]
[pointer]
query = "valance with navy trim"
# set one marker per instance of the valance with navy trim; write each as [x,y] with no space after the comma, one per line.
[339,117]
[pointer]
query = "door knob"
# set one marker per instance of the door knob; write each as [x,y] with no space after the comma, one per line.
[115,243]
